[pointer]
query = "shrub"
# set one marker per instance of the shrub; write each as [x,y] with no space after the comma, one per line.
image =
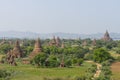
[68,63]
[5,74]
[80,61]
[52,61]
[118,58]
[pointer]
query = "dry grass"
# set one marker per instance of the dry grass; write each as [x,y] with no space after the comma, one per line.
[116,70]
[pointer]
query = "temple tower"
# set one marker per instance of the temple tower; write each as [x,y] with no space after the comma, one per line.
[55,42]
[37,48]
[10,58]
[58,42]
[84,43]
[17,50]
[94,42]
[62,46]
[107,36]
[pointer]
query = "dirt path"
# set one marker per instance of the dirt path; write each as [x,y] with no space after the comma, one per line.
[98,70]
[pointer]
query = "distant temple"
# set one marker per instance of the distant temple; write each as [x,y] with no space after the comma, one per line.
[10,58]
[62,46]
[107,37]
[55,42]
[17,50]
[37,49]
[94,42]
[58,41]
[84,43]
[15,53]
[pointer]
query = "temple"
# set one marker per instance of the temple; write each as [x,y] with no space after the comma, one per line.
[107,37]
[58,41]
[15,53]
[84,43]
[94,42]
[10,58]
[37,48]
[17,50]
[55,42]
[62,46]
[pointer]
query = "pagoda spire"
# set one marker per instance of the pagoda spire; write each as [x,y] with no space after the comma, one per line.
[107,36]
[17,50]
[37,48]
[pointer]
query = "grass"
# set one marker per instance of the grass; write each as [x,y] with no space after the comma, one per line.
[114,54]
[1,56]
[28,72]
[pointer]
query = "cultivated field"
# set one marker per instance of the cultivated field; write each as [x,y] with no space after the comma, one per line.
[116,71]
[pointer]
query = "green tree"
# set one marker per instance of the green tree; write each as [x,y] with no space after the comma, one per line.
[40,59]
[52,61]
[101,55]
[5,48]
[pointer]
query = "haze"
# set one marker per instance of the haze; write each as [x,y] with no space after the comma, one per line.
[70,16]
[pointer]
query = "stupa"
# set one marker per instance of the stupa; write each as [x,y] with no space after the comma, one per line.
[37,49]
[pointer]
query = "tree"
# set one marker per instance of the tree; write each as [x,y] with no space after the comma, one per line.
[52,61]
[40,59]
[101,55]
[5,48]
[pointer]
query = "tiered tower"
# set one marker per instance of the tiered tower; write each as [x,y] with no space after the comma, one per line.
[10,58]
[107,37]
[17,50]
[94,42]
[55,42]
[37,48]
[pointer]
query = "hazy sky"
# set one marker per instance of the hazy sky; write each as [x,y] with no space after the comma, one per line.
[70,16]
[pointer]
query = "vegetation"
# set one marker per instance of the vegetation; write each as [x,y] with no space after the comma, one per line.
[101,55]
[74,56]
[29,72]
[5,74]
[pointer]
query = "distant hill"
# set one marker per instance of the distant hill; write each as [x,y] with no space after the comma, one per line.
[31,35]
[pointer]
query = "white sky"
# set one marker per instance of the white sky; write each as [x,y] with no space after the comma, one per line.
[70,16]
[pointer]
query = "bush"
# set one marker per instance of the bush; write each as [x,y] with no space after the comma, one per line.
[5,74]
[3,59]
[74,60]
[52,61]
[80,61]
[90,72]
[68,63]
[88,56]
[118,58]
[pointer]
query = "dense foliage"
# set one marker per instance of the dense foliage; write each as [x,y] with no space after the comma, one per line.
[101,55]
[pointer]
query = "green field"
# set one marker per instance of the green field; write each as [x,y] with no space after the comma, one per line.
[28,72]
